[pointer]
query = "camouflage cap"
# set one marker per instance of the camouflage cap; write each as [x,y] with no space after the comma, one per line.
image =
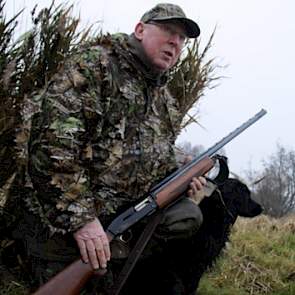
[171,12]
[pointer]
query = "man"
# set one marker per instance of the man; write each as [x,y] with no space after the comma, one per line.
[104,137]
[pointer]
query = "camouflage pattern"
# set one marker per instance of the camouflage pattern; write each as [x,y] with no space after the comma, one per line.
[104,135]
[171,13]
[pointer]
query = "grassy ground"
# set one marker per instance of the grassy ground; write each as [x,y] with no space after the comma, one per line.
[259,260]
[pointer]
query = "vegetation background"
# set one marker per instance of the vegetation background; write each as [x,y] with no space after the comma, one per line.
[260,259]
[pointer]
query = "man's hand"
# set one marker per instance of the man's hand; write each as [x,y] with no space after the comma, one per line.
[93,244]
[196,186]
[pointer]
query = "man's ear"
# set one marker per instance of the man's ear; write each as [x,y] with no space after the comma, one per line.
[139,30]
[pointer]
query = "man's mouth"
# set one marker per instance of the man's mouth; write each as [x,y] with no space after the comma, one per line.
[168,54]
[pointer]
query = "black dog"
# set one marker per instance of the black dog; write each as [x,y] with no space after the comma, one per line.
[220,212]
[179,268]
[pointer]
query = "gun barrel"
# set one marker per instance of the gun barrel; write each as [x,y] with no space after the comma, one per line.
[211,151]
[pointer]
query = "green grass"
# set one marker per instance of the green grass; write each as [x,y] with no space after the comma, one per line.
[259,260]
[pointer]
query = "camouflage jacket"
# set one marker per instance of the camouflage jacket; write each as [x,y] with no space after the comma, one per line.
[104,136]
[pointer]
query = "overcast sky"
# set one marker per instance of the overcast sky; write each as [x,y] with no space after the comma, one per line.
[256,39]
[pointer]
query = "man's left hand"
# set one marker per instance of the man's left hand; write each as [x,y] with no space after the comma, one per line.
[196,189]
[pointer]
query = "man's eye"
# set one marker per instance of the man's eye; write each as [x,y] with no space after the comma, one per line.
[182,37]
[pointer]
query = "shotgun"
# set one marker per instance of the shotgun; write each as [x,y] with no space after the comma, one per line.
[71,279]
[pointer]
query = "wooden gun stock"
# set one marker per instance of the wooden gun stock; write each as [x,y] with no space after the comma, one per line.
[71,280]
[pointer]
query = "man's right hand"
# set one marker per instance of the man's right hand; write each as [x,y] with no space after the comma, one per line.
[93,244]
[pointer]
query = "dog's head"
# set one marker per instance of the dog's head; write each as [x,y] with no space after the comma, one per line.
[237,198]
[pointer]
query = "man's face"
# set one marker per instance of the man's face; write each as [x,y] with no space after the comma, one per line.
[162,43]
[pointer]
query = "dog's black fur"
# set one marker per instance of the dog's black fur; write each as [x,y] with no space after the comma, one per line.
[179,267]
[220,212]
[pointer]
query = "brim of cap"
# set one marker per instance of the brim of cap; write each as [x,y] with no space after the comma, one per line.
[192,29]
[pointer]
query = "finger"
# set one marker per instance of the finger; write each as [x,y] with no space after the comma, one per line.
[203,180]
[100,252]
[83,251]
[106,247]
[197,184]
[92,254]
[193,187]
